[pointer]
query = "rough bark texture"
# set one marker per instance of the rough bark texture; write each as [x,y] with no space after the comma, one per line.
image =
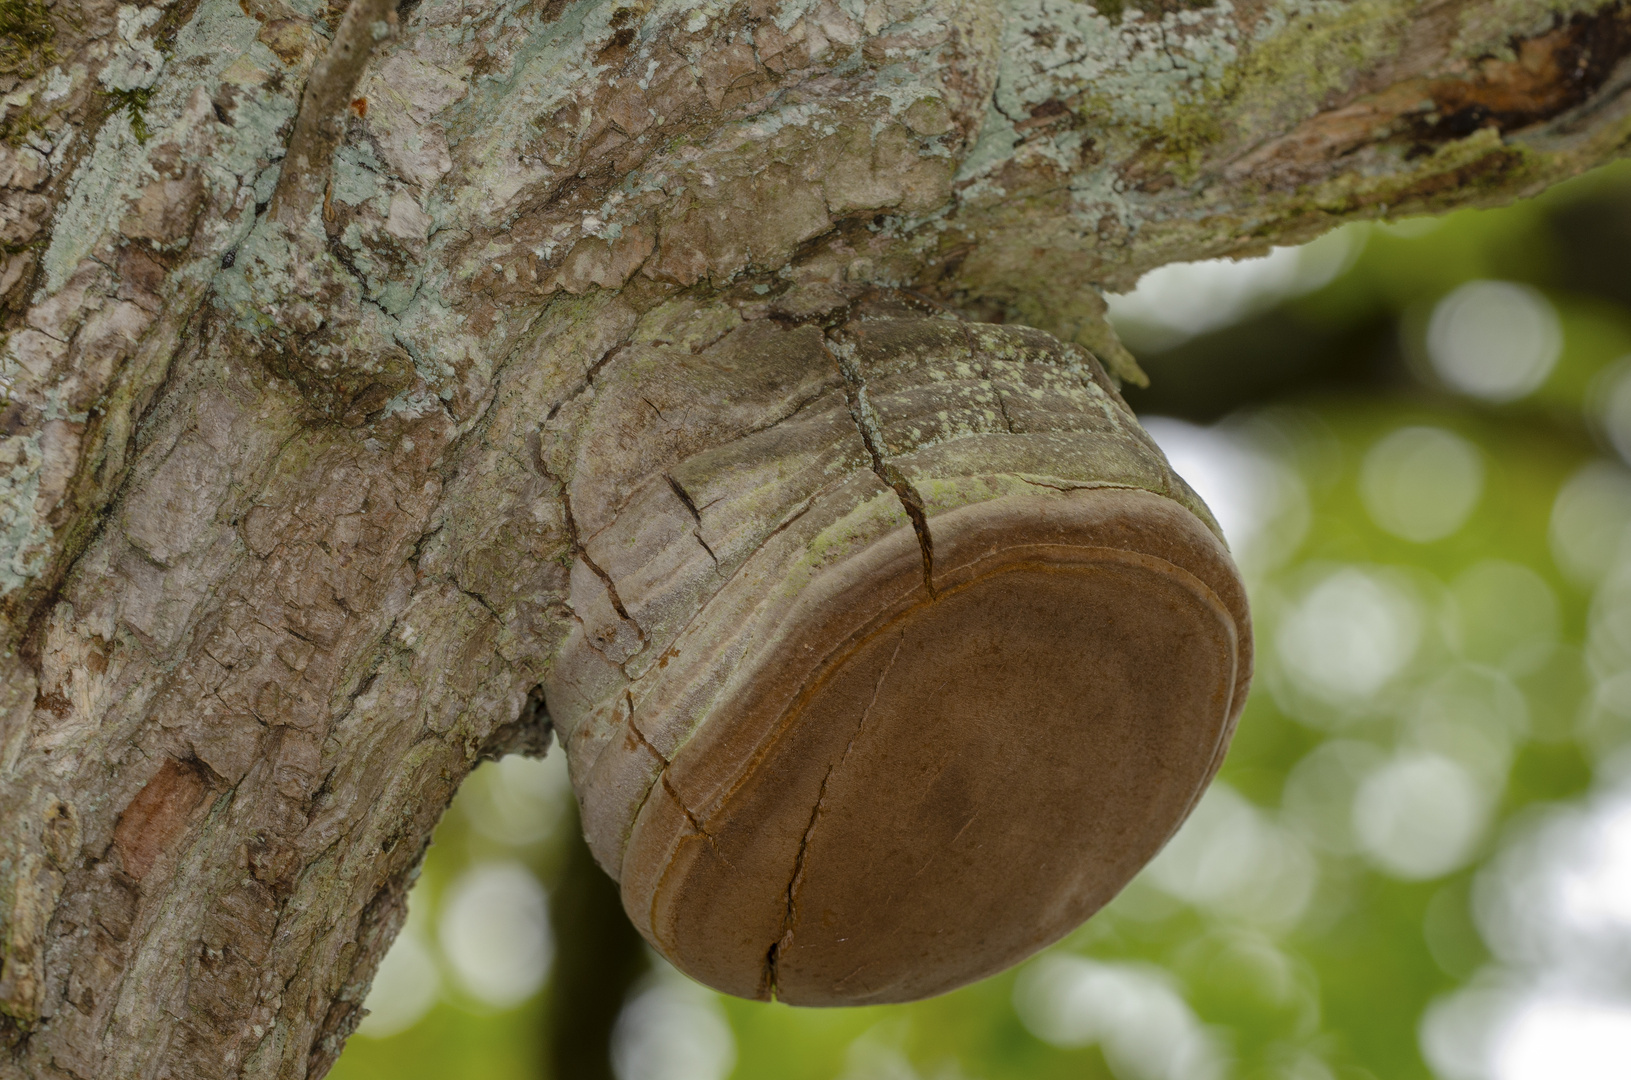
[280,556]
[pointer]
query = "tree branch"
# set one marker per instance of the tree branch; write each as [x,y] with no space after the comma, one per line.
[320,124]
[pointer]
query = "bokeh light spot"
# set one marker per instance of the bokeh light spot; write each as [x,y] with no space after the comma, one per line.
[1472,715]
[405,987]
[1229,857]
[1553,1038]
[1421,483]
[1589,520]
[517,800]
[673,1031]
[1494,340]
[1614,406]
[1420,815]
[1260,504]
[1147,1031]
[494,932]
[1351,634]
[1175,302]
[1320,790]
[1503,614]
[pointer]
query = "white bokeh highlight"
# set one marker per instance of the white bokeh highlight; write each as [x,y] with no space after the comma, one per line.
[1235,861]
[1554,906]
[673,1030]
[1459,1031]
[1472,714]
[880,1054]
[1589,521]
[1495,340]
[1180,300]
[1608,624]
[1260,503]
[1558,898]
[1145,1028]
[1421,483]
[1349,636]
[405,987]
[1612,400]
[1319,792]
[517,800]
[1420,816]
[1556,1038]
[494,933]
[1503,614]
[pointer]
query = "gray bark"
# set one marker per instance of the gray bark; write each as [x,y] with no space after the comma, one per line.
[280,558]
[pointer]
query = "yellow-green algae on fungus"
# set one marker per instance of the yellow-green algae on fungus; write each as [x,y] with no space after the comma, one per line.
[873,516]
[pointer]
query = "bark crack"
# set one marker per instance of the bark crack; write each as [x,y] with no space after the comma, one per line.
[586,382]
[772,955]
[866,423]
[476,596]
[787,523]
[1002,407]
[640,736]
[668,785]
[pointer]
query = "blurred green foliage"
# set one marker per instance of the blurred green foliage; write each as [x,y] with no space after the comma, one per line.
[1307,947]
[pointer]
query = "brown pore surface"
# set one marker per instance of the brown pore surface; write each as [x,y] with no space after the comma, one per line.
[913,791]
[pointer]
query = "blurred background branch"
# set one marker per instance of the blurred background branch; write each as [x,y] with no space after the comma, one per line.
[598,960]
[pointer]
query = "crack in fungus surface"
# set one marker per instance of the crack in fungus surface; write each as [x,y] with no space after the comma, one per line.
[690,816]
[685,497]
[773,954]
[866,423]
[581,552]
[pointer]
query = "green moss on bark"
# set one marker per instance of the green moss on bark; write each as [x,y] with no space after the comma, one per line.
[26,34]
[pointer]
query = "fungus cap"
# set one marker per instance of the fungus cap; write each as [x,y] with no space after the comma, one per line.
[895,655]
[910,792]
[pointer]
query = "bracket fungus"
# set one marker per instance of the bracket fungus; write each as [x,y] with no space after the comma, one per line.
[900,648]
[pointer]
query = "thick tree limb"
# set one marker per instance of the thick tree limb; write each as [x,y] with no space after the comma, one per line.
[280,553]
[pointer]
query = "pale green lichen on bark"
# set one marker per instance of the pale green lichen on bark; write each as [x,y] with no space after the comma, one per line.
[217,37]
